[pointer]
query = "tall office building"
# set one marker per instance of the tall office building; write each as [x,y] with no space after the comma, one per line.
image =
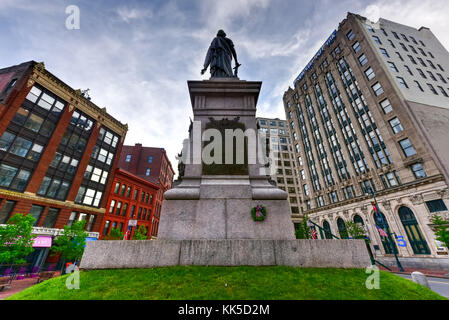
[370,113]
[285,172]
[58,151]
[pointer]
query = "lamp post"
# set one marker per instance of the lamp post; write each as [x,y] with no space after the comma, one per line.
[390,238]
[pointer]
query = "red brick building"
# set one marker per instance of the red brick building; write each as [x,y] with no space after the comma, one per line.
[131,198]
[150,164]
[58,150]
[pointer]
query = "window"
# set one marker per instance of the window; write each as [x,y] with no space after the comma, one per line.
[128,158]
[441,77]
[148,171]
[370,73]
[384,52]
[376,40]
[399,56]
[421,73]
[350,35]
[13,178]
[418,171]
[403,46]
[419,86]
[408,70]
[36,212]
[412,59]
[356,47]
[413,49]
[111,207]
[436,205]
[422,62]
[441,68]
[402,82]
[20,147]
[431,76]
[404,37]
[391,43]
[413,40]
[363,60]
[395,35]
[396,125]
[306,189]
[384,32]
[117,187]
[150,159]
[392,66]
[422,43]
[6,211]
[51,217]
[106,227]
[377,88]
[432,89]
[407,147]
[442,91]
[369,28]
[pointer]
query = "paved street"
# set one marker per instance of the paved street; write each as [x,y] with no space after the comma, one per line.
[439,285]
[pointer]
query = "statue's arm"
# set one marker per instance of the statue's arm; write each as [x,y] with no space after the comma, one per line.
[234,53]
[206,61]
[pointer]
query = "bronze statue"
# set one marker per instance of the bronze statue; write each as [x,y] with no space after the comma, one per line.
[219,57]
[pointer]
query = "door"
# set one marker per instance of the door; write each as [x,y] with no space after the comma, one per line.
[414,235]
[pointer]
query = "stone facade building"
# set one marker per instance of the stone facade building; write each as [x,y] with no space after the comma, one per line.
[370,112]
[58,151]
[285,173]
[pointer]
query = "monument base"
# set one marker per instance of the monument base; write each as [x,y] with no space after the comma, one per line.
[162,253]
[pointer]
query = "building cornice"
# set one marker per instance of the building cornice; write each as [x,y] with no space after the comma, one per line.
[74,98]
[33,197]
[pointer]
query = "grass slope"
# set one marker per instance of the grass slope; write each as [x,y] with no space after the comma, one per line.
[230,283]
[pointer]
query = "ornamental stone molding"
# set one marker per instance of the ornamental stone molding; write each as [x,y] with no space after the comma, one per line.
[416,199]
[386,204]
[444,194]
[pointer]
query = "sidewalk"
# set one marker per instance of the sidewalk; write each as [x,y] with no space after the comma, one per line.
[19,285]
[430,273]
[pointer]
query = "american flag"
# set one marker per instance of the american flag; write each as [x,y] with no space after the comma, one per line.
[382,232]
[313,233]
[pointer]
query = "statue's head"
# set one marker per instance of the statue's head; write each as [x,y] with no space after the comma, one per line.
[221,33]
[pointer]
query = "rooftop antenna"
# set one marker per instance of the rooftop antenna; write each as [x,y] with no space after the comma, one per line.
[85,94]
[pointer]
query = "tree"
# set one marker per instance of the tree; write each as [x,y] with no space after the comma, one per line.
[16,240]
[355,230]
[70,244]
[140,233]
[441,229]
[115,234]
[303,231]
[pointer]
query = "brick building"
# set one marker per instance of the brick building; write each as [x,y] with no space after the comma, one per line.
[131,198]
[58,151]
[150,164]
[370,113]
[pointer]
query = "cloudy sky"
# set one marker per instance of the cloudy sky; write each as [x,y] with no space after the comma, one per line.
[136,56]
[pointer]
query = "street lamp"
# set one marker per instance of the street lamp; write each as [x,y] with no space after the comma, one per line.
[380,215]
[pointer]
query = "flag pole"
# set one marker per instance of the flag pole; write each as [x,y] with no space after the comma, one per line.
[388,231]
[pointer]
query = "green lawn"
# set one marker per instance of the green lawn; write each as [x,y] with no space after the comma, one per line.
[230,283]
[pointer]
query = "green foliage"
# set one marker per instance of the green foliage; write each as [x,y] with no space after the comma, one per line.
[225,283]
[264,212]
[140,233]
[303,231]
[16,240]
[72,241]
[441,229]
[355,230]
[115,234]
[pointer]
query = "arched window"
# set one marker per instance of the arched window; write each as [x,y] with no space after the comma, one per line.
[327,230]
[342,229]
[383,229]
[358,219]
[414,235]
